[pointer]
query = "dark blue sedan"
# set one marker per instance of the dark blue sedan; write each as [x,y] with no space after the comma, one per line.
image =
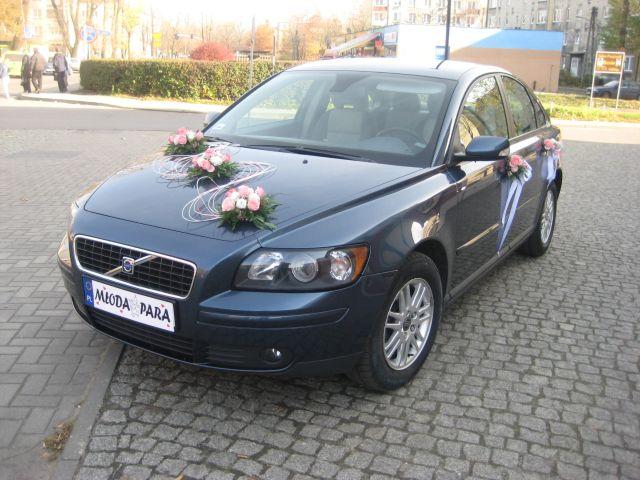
[397,187]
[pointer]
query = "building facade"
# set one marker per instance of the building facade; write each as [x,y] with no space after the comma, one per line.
[464,13]
[581,21]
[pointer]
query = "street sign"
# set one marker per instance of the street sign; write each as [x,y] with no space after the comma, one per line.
[607,62]
[88,33]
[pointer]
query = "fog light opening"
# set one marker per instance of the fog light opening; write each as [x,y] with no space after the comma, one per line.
[272,355]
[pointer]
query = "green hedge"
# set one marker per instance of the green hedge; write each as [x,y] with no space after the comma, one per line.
[179,79]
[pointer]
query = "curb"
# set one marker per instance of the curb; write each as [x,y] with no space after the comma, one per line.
[78,440]
[130,104]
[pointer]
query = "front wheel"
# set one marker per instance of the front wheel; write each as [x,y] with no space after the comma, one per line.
[405,329]
[539,241]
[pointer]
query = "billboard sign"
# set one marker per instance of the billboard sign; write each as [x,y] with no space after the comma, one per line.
[611,63]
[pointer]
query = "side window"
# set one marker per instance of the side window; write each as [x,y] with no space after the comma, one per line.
[541,117]
[483,112]
[521,108]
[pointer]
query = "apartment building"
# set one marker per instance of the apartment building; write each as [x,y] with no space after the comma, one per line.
[464,13]
[572,17]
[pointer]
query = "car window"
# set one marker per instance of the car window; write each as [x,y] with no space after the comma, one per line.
[541,117]
[483,112]
[380,117]
[522,111]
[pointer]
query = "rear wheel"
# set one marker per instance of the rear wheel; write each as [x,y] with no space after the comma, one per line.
[606,95]
[405,329]
[539,241]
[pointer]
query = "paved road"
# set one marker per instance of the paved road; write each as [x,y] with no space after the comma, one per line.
[534,374]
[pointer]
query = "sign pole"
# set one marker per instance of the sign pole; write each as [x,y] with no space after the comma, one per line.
[620,82]
[593,84]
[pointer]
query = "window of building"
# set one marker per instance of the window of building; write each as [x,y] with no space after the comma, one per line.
[557,15]
[542,16]
[412,18]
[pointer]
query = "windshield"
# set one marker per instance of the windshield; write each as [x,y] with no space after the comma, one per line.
[613,83]
[386,118]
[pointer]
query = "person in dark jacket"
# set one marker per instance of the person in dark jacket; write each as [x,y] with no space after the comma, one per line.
[25,74]
[61,71]
[38,64]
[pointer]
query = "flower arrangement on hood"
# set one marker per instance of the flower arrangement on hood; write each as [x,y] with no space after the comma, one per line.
[245,204]
[215,163]
[549,146]
[517,167]
[185,142]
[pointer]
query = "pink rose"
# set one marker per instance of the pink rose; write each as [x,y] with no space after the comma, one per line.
[254,202]
[182,139]
[548,144]
[209,152]
[182,131]
[228,204]
[199,135]
[260,192]
[230,192]
[515,160]
[244,191]
[194,161]
[226,157]
[206,165]
[170,138]
[199,161]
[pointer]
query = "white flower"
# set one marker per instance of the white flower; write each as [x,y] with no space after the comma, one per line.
[217,160]
[235,196]
[191,135]
[253,197]
[241,203]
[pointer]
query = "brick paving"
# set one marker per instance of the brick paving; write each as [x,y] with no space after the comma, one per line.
[48,356]
[534,374]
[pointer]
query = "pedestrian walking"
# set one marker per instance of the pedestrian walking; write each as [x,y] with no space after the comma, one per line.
[4,78]
[61,71]
[38,64]
[25,74]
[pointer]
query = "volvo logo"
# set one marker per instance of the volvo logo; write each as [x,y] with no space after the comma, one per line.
[128,264]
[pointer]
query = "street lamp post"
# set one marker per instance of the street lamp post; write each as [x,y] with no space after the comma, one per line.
[446,31]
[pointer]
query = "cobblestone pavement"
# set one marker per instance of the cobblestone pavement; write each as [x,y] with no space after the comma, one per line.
[534,375]
[48,356]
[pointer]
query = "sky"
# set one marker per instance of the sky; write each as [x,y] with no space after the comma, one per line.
[264,10]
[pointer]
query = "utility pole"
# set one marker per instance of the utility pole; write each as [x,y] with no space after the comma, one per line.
[591,42]
[446,31]
[253,41]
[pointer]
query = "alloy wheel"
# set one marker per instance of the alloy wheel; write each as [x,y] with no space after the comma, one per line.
[548,214]
[408,324]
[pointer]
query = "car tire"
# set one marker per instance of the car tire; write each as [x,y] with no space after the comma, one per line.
[538,243]
[374,370]
[606,95]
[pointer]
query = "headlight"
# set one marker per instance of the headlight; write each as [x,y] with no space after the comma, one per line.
[63,252]
[317,269]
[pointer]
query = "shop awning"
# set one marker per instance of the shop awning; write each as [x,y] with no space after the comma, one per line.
[353,43]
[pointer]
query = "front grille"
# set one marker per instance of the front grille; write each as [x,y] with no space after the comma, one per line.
[160,274]
[164,343]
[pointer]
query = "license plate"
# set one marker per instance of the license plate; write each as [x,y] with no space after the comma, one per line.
[132,306]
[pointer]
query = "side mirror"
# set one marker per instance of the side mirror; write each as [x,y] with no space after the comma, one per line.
[487,148]
[210,117]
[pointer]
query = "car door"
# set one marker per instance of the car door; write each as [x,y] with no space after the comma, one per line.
[520,198]
[478,210]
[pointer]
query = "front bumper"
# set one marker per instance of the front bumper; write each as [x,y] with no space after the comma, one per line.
[316,332]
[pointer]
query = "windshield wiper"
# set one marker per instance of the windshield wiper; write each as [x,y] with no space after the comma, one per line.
[319,152]
[216,139]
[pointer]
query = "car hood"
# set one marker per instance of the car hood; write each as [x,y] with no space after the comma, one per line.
[303,185]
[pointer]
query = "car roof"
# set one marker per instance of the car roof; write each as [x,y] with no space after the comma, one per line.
[450,69]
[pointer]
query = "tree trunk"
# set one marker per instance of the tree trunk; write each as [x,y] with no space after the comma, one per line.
[623,24]
[18,38]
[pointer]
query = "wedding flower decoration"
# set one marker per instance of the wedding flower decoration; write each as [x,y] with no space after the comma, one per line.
[185,142]
[215,163]
[245,204]
[517,167]
[549,146]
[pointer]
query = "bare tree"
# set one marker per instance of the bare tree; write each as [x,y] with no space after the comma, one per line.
[65,11]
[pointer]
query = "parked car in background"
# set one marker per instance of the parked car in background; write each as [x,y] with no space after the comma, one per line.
[398,185]
[74,63]
[630,90]
[48,70]
[13,59]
